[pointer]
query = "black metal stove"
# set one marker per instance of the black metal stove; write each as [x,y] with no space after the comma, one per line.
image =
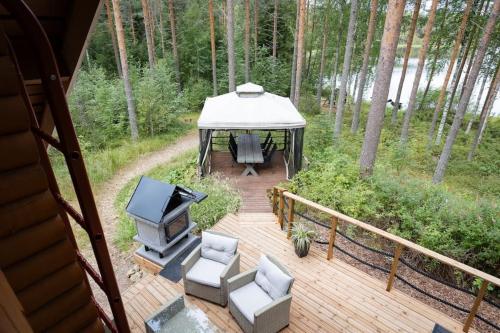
[161,213]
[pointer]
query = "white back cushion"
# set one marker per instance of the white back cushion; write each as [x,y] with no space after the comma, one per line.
[218,248]
[272,279]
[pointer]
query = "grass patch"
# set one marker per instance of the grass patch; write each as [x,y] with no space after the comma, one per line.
[104,163]
[222,198]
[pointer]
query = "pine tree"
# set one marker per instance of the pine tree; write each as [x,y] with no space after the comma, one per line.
[409,42]
[300,51]
[230,45]
[388,47]
[175,53]
[120,34]
[364,67]
[212,45]
[464,100]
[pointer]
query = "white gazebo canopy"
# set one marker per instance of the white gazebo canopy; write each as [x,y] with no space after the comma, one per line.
[249,107]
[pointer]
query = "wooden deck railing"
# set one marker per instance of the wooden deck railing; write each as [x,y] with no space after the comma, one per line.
[282,198]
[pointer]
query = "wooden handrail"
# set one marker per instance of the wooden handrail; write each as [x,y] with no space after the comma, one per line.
[403,242]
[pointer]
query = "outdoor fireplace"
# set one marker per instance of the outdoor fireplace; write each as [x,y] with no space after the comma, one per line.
[161,214]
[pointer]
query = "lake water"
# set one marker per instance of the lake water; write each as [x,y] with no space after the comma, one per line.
[437,81]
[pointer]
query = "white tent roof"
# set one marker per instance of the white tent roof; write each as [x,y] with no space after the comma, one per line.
[249,108]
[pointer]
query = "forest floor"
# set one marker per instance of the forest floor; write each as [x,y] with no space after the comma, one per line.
[122,261]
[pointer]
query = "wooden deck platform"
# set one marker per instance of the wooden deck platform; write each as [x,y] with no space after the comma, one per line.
[328,296]
[253,188]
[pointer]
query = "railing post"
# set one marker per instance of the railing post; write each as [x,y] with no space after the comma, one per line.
[281,209]
[275,199]
[475,306]
[291,205]
[394,266]
[331,241]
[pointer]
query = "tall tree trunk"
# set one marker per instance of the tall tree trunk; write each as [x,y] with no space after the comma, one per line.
[456,79]
[150,40]
[464,101]
[160,27]
[345,69]
[275,28]
[409,42]
[175,53]
[333,82]
[476,106]
[294,60]
[356,80]
[453,57]
[247,40]
[418,74]
[364,68]
[319,89]
[120,34]
[488,105]
[113,37]
[300,52]
[454,85]
[131,20]
[476,40]
[436,57]
[311,44]
[212,45]
[255,27]
[231,66]
[388,47]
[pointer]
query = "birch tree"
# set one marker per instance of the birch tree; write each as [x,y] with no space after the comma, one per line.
[364,67]
[333,75]
[453,57]
[230,45]
[409,42]
[120,35]
[345,69]
[476,105]
[488,105]
[464,100]
[385,66]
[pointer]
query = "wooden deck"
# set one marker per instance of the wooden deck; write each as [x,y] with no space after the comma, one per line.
[328,296]
[253,189]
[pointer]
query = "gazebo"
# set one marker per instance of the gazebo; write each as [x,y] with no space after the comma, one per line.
[251,113]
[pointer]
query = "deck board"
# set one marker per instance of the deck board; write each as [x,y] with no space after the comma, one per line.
[328,296]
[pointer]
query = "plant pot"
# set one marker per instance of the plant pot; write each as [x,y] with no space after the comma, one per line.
[302,252]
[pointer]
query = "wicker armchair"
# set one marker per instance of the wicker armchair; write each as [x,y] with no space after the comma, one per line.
[247,298]
[205,271]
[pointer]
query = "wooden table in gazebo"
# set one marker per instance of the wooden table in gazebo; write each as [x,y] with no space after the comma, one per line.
[249,153]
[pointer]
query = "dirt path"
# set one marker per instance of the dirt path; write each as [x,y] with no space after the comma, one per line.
[105,200]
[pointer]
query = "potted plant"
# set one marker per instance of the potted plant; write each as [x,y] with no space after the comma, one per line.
[302,235]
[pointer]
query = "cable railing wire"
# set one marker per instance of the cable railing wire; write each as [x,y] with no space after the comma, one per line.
[361,260]
[456,307]
[407,264]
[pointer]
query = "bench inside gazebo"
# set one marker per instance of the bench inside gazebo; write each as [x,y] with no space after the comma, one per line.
[250,132]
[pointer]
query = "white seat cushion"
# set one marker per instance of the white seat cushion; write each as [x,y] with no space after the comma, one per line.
[207,272]
[250,299]
[272,279]
[217,247]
